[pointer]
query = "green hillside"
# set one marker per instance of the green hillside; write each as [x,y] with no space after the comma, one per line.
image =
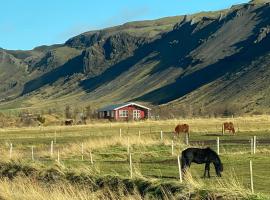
[204,61]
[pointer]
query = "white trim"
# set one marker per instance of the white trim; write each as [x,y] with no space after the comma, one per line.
[123,113]
[136,114]
[128,104]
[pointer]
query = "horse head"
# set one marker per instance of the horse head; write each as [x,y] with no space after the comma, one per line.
[218,167]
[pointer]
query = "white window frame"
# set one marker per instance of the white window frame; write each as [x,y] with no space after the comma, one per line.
[136,114]
[123,113]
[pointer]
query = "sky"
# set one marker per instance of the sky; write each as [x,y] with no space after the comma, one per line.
[25,24]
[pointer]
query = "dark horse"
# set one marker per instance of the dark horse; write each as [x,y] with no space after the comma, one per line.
[201,156]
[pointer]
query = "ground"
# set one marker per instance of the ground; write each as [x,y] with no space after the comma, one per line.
[152,156]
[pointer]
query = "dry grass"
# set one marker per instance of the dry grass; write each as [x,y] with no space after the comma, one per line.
[32,187]
[228,188]
[23,188]
[248,123]
[70,150]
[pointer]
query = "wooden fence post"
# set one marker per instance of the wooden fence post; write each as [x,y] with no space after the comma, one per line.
[172,147]
[91,157]
[10,151]
[139,134]
[32,153]
[52,148]
[120,132]
[254,144]
[179,169]
[187,142]
[251,145]
[130,166]
[161,135]
[82,151]
[251,176]
[218,145]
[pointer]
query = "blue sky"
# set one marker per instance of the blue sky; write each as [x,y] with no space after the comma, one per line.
[25,24]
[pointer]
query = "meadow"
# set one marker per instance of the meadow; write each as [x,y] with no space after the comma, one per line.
[99,150]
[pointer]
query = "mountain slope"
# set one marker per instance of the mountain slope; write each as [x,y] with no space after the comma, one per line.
[12,74]
[203,60]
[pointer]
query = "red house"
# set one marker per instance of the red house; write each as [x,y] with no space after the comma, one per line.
[125,111]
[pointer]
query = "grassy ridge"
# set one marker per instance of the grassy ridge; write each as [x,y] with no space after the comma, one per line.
[90,184]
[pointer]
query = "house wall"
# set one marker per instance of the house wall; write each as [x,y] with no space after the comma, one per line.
[144,113]
[130,112]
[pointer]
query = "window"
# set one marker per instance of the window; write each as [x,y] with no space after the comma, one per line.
[123,113]
[136,114]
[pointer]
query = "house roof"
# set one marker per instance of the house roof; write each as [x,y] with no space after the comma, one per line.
[118,106]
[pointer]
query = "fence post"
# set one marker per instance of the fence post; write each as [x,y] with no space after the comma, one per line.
[130,166]
[254,144]
[179,169]
[82,151]
[251,176]
[91,158]
[139,134]
[120,132]
[161,135]
[187,142]
[52,148]
[218,145]
[10,151]
[251,145]
[32,153]
[172,147]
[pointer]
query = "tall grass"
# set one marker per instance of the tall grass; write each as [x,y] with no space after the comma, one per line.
[229,187]
[80,186]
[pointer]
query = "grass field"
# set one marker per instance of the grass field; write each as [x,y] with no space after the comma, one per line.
[152,156]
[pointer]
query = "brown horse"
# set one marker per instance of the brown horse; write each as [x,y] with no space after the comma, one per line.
[181,128]
[228,126]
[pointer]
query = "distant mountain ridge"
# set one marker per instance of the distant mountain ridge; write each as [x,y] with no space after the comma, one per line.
[206,59]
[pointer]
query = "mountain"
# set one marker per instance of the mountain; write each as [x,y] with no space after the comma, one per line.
[205,60]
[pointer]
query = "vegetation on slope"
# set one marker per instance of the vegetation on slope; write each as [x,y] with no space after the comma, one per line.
[204,59]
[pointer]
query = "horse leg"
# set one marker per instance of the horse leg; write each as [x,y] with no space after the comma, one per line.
[207,169]
[184,165]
